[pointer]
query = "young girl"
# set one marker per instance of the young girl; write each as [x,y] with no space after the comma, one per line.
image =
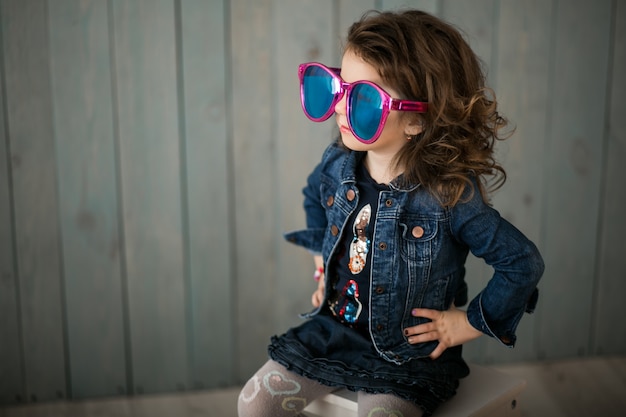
[392,211]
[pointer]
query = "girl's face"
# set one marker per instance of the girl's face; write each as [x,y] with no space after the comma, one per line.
[396,129]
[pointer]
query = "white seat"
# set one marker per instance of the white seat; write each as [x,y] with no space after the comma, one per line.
[484,393]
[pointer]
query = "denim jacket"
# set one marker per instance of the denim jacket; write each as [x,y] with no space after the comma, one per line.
[418,254]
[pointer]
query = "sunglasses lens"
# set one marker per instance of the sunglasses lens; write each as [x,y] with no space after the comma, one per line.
[366,109]
[318,92]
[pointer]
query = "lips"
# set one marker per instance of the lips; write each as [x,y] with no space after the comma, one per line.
[344,129]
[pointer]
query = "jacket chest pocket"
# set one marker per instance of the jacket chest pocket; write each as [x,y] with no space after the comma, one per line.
[417,239]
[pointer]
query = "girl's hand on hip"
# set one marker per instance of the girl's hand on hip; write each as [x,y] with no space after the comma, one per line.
[450,328]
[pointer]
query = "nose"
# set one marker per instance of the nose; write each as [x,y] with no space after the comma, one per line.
[340,107]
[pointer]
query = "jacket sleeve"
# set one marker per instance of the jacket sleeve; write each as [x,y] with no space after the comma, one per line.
[312,237]
[517,268]
[313,208]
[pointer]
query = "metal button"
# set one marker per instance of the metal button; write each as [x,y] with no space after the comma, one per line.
[330,200]
[382,246]
[334,230]
[380,327]
[389,203]
[350,194]
[380,290]
[417,232]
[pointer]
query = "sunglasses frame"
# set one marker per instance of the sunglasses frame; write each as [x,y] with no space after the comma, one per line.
[345,88]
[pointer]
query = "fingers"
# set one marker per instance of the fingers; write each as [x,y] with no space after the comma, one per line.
[420,328]
[317,297]
[426,312]
[449,328]
[423,337]
[438,351]
[426,332]
[315,300]
[425,328]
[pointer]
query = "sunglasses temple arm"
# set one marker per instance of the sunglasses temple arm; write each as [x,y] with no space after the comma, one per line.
[403,105]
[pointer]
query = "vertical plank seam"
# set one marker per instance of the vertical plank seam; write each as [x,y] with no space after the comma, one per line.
[275,188]
[230,183]
[491,80]
[120,202]
[495,51]
[9,159]
[59,220]
[591,348]
[336,29]
[539,349]
[184,193]
[438,8]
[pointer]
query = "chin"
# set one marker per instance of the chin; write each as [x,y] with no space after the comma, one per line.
[352,143]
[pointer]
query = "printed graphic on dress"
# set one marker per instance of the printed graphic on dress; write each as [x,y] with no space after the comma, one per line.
[348,307]
[360,245]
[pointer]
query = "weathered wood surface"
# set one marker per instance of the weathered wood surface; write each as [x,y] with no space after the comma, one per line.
[557,388]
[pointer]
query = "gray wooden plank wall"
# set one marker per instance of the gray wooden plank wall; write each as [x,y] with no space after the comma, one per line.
[152,153]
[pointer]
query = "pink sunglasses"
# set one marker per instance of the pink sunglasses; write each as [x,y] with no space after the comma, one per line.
[367,105]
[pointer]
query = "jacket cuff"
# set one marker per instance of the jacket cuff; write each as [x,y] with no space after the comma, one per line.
[532,301]
[310,239]
[478,318]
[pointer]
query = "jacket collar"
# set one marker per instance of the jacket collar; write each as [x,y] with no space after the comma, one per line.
[348,173]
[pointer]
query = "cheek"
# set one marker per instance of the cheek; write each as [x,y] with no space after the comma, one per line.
[394,129]
[395,122]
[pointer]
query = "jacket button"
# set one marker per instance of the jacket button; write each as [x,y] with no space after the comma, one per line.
[380,290]
[380,327]
[417,232]
[334,230]
[389,203]
[330,200]
[382,246]
[350,194]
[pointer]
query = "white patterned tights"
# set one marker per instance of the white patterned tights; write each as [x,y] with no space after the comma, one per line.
[276,392]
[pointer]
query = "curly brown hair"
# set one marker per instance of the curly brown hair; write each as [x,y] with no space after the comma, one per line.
[427,59]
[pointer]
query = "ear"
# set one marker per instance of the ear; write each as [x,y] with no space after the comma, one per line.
[414,127]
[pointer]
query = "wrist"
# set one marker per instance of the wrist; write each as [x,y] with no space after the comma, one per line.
[318,273]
